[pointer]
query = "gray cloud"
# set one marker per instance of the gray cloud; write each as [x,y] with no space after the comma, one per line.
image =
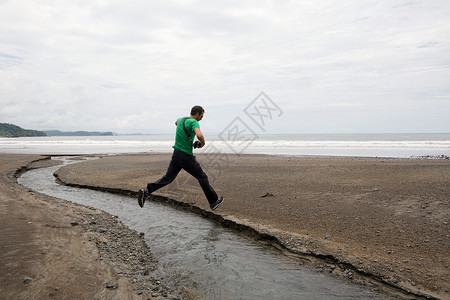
[130,67]
[7,60]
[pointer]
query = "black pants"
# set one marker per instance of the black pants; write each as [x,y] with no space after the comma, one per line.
[181,160]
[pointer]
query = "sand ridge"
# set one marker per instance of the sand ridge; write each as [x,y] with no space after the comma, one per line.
[387,218]
[51,248]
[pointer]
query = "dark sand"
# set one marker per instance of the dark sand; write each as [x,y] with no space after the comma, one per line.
[69,251]
[384,218]
[367,217]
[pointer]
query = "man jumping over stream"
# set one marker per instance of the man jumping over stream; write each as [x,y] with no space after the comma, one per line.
[183,158]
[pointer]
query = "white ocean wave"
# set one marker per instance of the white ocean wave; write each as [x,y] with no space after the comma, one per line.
[419,145]
[273,145]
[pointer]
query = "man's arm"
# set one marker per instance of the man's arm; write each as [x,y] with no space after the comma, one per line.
[200,136]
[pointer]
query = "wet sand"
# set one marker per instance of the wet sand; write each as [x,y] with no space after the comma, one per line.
[366,217]
[54,249]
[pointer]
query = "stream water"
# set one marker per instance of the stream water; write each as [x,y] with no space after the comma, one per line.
[223,264]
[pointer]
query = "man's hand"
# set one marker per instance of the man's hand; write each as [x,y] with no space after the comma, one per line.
[200,136]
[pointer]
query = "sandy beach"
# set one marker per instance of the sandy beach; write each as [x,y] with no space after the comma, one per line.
[384,218]
[54,249]
[356,218]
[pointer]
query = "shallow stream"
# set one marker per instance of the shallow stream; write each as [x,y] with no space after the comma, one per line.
[222,263]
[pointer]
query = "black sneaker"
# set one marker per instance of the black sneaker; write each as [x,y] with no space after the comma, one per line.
[218,202]
[143,194]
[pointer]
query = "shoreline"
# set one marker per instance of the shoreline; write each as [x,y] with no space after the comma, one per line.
[281,155]
[403,145]
[55,248]
[378,254]
[302,246]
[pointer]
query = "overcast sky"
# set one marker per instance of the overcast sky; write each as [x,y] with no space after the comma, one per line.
[135,66]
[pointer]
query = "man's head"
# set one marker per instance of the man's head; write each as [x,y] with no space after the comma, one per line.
[197,112]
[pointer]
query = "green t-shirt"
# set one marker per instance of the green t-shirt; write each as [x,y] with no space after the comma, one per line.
[182,142]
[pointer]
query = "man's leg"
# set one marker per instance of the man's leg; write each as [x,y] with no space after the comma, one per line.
[193,167]
[172,172]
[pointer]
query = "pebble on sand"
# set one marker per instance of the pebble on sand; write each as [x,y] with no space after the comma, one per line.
[27,279]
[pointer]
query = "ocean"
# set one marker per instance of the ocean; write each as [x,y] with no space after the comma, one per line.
[358,145]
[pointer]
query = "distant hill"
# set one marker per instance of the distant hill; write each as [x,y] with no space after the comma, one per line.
[10,130]
[77,133]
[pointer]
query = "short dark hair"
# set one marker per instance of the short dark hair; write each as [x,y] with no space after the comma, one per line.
[197,110]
